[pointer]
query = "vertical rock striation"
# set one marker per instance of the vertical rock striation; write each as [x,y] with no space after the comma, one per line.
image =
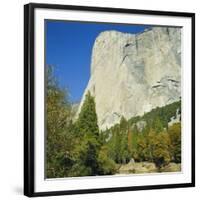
[134,73]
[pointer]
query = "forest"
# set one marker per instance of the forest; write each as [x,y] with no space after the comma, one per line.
[76,147]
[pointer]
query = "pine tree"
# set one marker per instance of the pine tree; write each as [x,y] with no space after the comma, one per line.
[123,124]
[88,131]
[87,120]
[157,126]
[129,140]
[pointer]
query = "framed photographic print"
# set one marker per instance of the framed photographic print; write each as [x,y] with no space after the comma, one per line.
[108,99]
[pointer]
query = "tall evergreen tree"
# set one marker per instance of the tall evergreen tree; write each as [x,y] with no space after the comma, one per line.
[87,120]
[88,131]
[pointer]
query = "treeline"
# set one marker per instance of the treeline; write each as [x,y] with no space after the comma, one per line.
[127,142]
[80,149]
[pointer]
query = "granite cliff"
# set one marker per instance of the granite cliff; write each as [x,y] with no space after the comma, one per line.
[133,73]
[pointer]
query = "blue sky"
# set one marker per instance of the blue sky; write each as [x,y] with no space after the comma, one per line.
[69,46]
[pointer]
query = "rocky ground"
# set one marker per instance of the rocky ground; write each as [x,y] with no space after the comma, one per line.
[147,167]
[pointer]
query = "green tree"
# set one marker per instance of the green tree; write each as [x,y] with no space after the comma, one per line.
[87,120]
[118,145]
[157,125]
[88,136]
[142,152]
[159,148]
[58,122]
[124,152]
[123,124]
[113,144]
[154,147]
[107,166]
[175,139]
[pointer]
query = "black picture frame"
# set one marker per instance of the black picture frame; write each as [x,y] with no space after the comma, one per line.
[29,108]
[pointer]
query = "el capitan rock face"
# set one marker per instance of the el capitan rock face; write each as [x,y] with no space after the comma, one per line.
[132,74]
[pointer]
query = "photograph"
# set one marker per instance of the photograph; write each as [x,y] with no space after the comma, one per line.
[112,99]
[108,99]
